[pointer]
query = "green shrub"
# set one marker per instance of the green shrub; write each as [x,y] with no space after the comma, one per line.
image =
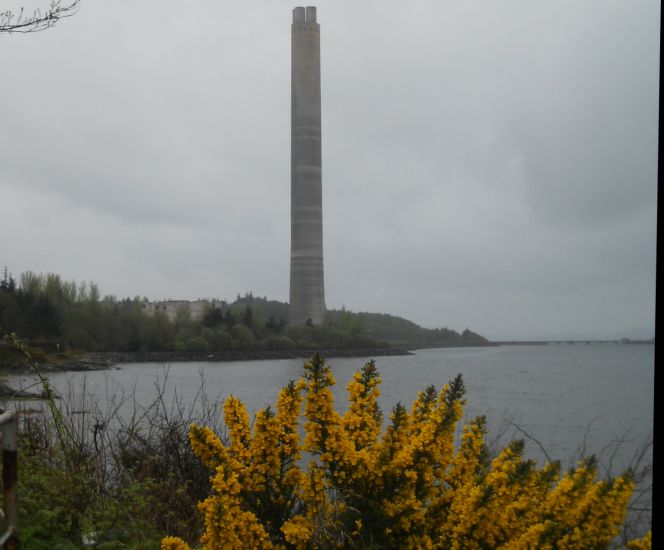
[197,343]
[279,342]
[243,336]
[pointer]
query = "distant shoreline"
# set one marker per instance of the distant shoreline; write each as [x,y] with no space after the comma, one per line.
[91,361]
[247,355]
[568,342]
[116,358]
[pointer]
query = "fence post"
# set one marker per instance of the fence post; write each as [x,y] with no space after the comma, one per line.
[10,479]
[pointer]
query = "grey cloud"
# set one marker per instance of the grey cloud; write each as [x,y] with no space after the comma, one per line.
[484,165]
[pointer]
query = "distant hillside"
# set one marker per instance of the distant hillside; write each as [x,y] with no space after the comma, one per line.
[378,326]
[400,331]
[263,309]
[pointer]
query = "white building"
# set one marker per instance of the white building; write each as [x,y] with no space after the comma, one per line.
[170,307]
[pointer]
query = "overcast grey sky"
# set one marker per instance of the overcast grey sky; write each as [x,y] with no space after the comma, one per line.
[490,165]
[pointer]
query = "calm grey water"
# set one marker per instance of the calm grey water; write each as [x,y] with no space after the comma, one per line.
[564,396]
[560,394]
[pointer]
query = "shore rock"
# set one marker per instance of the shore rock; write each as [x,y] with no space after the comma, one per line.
[6,392]
[107,360]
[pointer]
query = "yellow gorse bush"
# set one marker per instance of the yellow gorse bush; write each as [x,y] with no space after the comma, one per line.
[405,488]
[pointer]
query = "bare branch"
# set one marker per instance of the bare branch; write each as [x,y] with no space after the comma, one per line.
[582,450]
[11,22]
[525,433]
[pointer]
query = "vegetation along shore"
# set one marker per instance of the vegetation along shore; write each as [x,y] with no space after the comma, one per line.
[70,326]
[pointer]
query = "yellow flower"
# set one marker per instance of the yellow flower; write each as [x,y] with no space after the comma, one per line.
[405,488]
[641,544]
[173,543]
[237,420]
[297,531]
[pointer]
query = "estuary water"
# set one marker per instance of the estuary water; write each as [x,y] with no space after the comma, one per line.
[566,400]
[562,397]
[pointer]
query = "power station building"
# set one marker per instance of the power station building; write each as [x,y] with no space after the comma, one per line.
[307,292]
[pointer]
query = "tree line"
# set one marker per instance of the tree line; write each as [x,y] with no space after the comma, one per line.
[59,315]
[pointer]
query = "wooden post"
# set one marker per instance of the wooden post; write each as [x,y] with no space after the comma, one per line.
[10,479]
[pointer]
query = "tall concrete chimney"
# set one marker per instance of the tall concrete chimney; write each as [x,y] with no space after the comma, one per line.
[307,293]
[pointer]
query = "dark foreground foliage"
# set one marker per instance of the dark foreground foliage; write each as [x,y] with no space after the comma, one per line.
[119,478]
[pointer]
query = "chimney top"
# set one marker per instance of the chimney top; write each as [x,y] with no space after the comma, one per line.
[304,15]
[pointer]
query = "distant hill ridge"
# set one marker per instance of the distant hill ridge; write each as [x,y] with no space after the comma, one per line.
[379,326]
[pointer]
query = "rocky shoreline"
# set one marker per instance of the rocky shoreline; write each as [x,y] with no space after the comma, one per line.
[108,360]
[7,392]
[93,361]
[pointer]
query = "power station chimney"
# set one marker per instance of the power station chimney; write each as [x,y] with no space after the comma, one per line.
[307,293]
